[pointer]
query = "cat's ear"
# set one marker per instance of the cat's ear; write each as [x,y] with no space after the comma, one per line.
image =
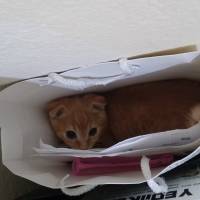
[56,110]
[97,102]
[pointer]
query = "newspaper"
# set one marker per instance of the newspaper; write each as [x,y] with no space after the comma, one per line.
[183,184]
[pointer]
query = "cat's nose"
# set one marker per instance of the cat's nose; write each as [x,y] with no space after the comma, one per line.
[83,146]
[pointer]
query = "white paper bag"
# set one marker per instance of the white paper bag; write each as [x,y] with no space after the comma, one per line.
[23,120]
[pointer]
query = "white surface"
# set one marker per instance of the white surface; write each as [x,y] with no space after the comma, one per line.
[38,37]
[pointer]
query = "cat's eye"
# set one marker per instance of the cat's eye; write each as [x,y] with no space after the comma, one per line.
[71,135]
[92,131]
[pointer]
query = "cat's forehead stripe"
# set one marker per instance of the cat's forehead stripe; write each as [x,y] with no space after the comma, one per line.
[81,120]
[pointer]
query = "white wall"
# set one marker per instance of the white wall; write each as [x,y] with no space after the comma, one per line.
[41,36]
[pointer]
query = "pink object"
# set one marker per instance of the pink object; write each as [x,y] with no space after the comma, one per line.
[104,165]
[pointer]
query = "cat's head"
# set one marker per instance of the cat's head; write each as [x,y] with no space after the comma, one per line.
[79,120]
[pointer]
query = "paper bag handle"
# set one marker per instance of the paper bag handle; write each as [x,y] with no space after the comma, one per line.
[157,184]
[80,83]
[74,191]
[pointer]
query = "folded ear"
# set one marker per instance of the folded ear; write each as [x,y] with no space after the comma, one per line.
[58,112]
[97,102]
[56,109]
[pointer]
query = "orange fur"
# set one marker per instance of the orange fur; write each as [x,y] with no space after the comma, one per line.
[126,112]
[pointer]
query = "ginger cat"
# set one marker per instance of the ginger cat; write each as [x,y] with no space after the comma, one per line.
[90,120]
